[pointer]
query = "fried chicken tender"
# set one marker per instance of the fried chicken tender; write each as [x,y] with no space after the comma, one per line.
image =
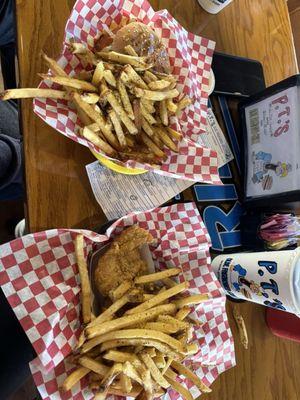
[122,261]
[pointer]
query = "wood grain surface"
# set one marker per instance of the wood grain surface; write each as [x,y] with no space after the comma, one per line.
[58,191]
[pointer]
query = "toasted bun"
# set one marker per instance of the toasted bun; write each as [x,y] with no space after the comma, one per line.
[145,42]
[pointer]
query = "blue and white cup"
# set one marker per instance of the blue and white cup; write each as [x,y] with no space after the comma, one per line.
[271,278]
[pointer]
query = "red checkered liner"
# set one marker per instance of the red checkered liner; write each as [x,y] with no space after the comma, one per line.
[39,277]
[190,57]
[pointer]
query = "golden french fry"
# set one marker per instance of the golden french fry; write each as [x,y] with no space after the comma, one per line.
[191,349]
[241,327]
[159,360]
[152,146]
[157,276]
[74,377]
[182,313]
[84,277]
[94,127]
[147,127]
[29,93]
[190,300]
[132,373]
[158,85]
[171,106]
[98,141]
[54,66]
[122,289]
[148,104]
[156,95]
[182,370]
[159,298]
[154,370]
[169,282]
[178,387]
[150,77]
[125,98]
[110,79]
[174,134]
[81,340]
[98,118]
[137,62]
[184,102]
[83,52]
[134,77]
[125,382]
[167,366]
[110,376]
[173,321]
[136,389]
[118,128]
[163,113]
[70,82]
[119,356]
[161,326]
[129,320]
[147,116]
[166,139]
[130,140]
[130,50]
[90,98]
[93,365]
[98,73]
[77,48]
[84,75]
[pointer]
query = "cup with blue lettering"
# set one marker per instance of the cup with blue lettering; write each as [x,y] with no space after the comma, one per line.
[271,278]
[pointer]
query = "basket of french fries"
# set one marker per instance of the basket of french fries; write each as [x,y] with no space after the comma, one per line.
[136,312]
[131,84]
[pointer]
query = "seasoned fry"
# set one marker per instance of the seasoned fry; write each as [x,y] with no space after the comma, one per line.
[130,50]
[94,127]
[125,383]
[84,277]
[74,377]
[81,340]
[241,327]
[93,365]
[158,85]
[174,134]
[169,282]
[148,104]
[136,389]
[191,300]
[98,118]
[119,356]
[54,66]
[118,128]
[134,77]
[166,139]
[159,360]
[98,141]
[137,62]
[157,276]
[182,370]
[70,82]
[29,93]
[182,313]
[163,113]
[90,98]
[122,289]
[159,298]
[129,320]
[148,142]
[178,387]
[186,101]
[98,73]
[150,77]
[154,370]
[125,98]
[147,127]
[147,383]
[167,366]
[161,326]
[84,75]
[147,116]
[173,321]
[77,48]
[191,349]
[110,79]
[110,376]
[171,106]
[133,334]
[156,96]
[132,373]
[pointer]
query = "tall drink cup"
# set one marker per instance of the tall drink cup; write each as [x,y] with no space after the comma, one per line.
[214,6]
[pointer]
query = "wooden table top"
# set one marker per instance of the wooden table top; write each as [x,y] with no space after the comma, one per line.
[58,191]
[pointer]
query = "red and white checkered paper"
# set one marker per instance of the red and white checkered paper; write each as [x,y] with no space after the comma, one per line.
[39,277]
[190,57]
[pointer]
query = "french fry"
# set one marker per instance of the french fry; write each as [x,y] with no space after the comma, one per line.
[93,365]
[147,383]
[84,75]
[136,389]
[166,139]
[98,118]
[147,127]
[130,50]
[183,103]
[118,128]
[70,82]
[137,113]
[191,300]
[133,334]
[169,282]
[156,95]
[148,104]
[150,77]
[29,93]
[98,141]
[159,360]
[180,325]
[176,135]
[94,127]
[74,377]
[137,62]
[119,356]
[125,383]
[84,277]
[241,327]
[130,140]
[163,113]
[182,370]
[163,348]
[154,370]
[122,289]
[152,146]
[183,313]
[54,66]
[81,340]
[111,98]
[127,321]
[158,85]
[159,298]
[161,326]
[147,116]
[191,349]
[178,387]
[167,366]
[125,98]
[157,276]
[90,98]
[77,48]
[171,106]
[110,79]
[98,73]
[134,77]
[110,376]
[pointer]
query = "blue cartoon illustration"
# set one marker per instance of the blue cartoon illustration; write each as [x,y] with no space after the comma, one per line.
[243,285]
[262,165]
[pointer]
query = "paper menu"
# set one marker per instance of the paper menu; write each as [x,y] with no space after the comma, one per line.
[119,194]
